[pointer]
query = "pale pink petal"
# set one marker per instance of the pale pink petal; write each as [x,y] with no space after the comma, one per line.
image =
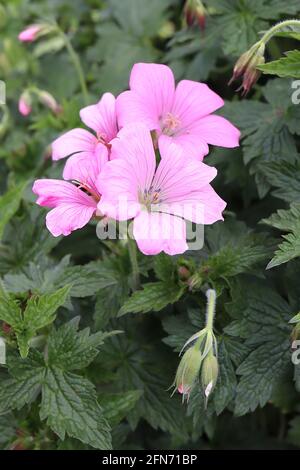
[193,145]
[52,193]
[118,186]
[216,130]
[101,117]
[74,141]
[134,144]
[66,218]
[156,232]
[129,173]
[151,97]
[177,177]
[193,101]
[86,168]
[72,207]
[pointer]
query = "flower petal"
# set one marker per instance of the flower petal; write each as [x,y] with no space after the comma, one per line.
[66,218]
[73,141]
[86,168]
[101,117]
[72,207]
[193,145]
[156,232]
[151,97]
[194,100]
[216,130]
[52,193]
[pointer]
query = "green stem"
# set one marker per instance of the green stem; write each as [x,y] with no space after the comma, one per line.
[268,35]
[134,263]
[76,62]
[211,305]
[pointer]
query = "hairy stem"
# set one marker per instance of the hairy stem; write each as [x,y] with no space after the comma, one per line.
[134,263]
[277,27]
[211,305]
[77,64]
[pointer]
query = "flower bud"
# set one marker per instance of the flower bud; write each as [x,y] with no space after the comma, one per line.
[246,67]
[195,11]
[25,103]
[188,371]
[32,32]
[48,100]
[209,373]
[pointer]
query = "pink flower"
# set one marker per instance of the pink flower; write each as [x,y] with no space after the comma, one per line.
[181,115]
[30,33]
[101,118]
[25,104]
[158,197]
[73,202]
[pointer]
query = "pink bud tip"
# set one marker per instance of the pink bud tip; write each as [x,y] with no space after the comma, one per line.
[24,107]
[183,389]
[29,34]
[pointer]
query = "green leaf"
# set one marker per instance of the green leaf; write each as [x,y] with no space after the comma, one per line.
[288,66]
[285,177]
[9,204]
[40,311]
[153,297]
[8,427]
[226,385]
[294,431]
[141,366]
[267,128]
[286,220]
[116,406]
[69,404]
[10,311]
[261,317]
[70,349]
[25,384]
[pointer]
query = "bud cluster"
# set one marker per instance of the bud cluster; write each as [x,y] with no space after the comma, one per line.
[200,357]
[195,13]
[246,65]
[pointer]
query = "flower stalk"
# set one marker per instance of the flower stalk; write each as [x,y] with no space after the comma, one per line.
[246,65]
[132,249]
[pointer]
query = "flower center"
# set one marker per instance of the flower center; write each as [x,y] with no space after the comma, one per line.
[149,196]
[170,124]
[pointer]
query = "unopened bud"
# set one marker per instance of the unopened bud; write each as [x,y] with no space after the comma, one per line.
[48,100]
[32,32]
[188,371]
[183,273]
[209,373]
[25,103]
[195,12]
[245,67]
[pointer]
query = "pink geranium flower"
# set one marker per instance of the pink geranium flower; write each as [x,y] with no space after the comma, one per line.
[30,33]
[73,202]
[181,115]
[158,197]
[101,118]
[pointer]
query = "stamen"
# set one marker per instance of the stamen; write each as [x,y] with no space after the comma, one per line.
[170,124]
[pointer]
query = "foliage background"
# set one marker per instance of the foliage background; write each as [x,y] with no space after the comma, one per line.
[84,385]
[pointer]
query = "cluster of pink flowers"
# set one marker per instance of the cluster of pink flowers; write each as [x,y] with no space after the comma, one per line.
[145,147]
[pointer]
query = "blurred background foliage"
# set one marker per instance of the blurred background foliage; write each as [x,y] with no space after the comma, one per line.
[256,403]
